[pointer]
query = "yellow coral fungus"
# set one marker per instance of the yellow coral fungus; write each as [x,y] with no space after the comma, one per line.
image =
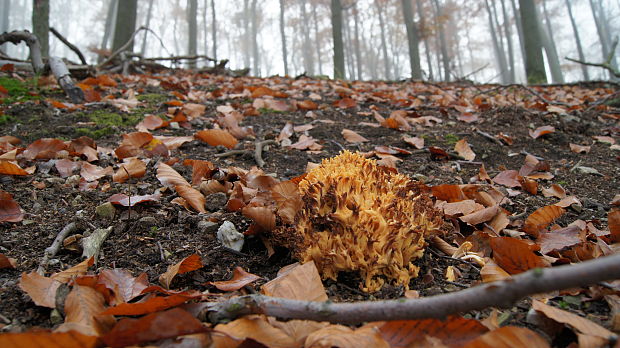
[358,216]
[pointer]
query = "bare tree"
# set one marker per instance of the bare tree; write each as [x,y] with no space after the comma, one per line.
[602,29]
[499,52]
[192,13]
[213,29]
[255,56]
[518,21]
[550,48]
[423,30]
[358,53]
[508,34]
[584,68]
[413,40]
[5,19]
[110,23]
[534,61]
[336,12]
[307,44]
[125,24]
[41,24]
[380,5]
[442,41]
[317,41]
[283,38]
[149,13]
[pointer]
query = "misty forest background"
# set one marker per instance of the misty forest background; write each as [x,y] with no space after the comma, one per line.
[481,40]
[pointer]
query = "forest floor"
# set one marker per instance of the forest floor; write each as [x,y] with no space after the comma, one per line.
[498,123]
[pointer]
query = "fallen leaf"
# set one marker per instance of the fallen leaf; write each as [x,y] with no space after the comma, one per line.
[263,216]
[541,131]
[345,337]
[508,178]
[288,200]
[122,283]
[568,201]
[577,323]
[515,256]
[153,327]
[255,328]
[12,168]
[130,201]
[579,148]
[91,172]
[604,139]
[75,271]
[7,262]
[554,191]
[454,331]
[215,137]
[173,143]
[559,239]
[286,132]
[9,208]
[170,177]
[416,142]
[463,207]
[45,148]
[345,103]
[448,193]
[613,221]
[541,218]
[42,290]
[464,150]
[509,337]
[69,339]
[491,272]
[239,279]
[83,306]
[131,168]
[151,305]
[352,137]
[480,216]
[137,139]
[188,264]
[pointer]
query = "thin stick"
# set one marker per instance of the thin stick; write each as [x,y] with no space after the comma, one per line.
[489,136]
[69,44]
[502,294]
[258,151]
[123,48]
[52,250]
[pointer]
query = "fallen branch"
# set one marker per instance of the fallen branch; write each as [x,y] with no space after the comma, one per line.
[52,250]
[489,137]
[257,153]
[123,48]
[17,36]
[606,64]
[69,44]
[496,294]
[65,81]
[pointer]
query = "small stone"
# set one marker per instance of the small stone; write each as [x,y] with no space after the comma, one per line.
[207,227]
[55,181]
[216,201]
[229,237]
[106,210]
[77,201]
[72,181]
[148,221]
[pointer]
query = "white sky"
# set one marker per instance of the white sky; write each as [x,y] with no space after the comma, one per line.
[82,22]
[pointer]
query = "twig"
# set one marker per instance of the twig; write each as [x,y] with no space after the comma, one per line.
[161,251]
[502,293]
[525,153]
[69,44]
[232,153]
[489,136]
[52,250]
[606,64]
[123,48]
[258,151]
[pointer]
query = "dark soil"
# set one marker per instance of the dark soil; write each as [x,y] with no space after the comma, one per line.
[151,247]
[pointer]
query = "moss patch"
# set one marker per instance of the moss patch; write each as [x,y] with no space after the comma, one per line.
[152,98]
[18,91]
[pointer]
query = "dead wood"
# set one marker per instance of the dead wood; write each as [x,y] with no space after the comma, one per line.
[52,250]
[17,36]
[69,44]
[606,64]
[60,71]
[257,153]
[502,294]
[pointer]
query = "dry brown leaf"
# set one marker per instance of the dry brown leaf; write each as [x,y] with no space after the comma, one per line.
[345,337]
[541,131]
[42,290]
[239,279]
[131,168]
[7,262]
[256,328]
[455,331]
[508,178]
[448,193]
[130,201]
[150,305]
[137,139]
[579,148]
[613,221]
[43,338]
[9,208]
[480,216]
[188,264]
[195,199]
[515,256]
[577,323]
[352,137]
[416,142]
[463,207]
[554,191]
[541,218]
[65,167]
[12,168]
[464,150]
[170,177]
[491,272]
[45,148]
[215,137]
[83,307]
[509,337]
[91,172]
[123,284]
[559,239]
[288,200]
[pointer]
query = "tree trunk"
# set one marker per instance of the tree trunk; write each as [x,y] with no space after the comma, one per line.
[177,50]
[584,68]
[413,40]
[246,34]
[205,29]
[499,54]
[41,24]
[255,56]
[511,55]
[317,43]
[517,16]
[422,30]
[307,44]
[386,60]
[125,24]
[600,21]
[148,23]
[442,43]
[534,61]
[213,30]
[358,53]
[336,10]
[550,48]
[110,23]
[4,21]
[192,13]
[283,38]
[349,62]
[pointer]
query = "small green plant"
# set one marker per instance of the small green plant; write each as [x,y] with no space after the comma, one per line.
[153,231]
[17,90]
[267,110]
[562,183]
[451,138]
[4,119]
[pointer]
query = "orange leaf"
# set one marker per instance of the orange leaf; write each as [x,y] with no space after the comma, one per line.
[577,323]
[255,328]
[42,290]
[530,186]
[130,201]
[541,218]
[454,331]
[188,264]
[559,239]
[352,137]
[554,191]
[613,221]
[262,91]
[200,169]
[509,337]
[174,103]
[134,168]
[416,142]
[9,209]
[195,199]
[151,305]
[286,195]
[463,149]
[77,270]
[91,172]
[263,216]
[153,327]
[123,284]
[508,178]
[514,255]
[83,306]
[480,216]
[45,148]
[69,339]
[579,148]
[215,137]
[240,279]
[170,177]
[491,272]
[11,168]
[448,193]
[541,131]
[150,122]
[345,103]
[7,262]
[307,105]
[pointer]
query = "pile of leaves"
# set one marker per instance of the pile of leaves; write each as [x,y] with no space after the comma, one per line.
[222,149]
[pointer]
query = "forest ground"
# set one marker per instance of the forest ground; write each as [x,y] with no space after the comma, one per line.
[150,237]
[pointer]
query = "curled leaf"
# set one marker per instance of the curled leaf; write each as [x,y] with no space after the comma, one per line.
[239,279]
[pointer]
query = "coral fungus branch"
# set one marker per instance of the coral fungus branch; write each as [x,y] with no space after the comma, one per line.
[497,294]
